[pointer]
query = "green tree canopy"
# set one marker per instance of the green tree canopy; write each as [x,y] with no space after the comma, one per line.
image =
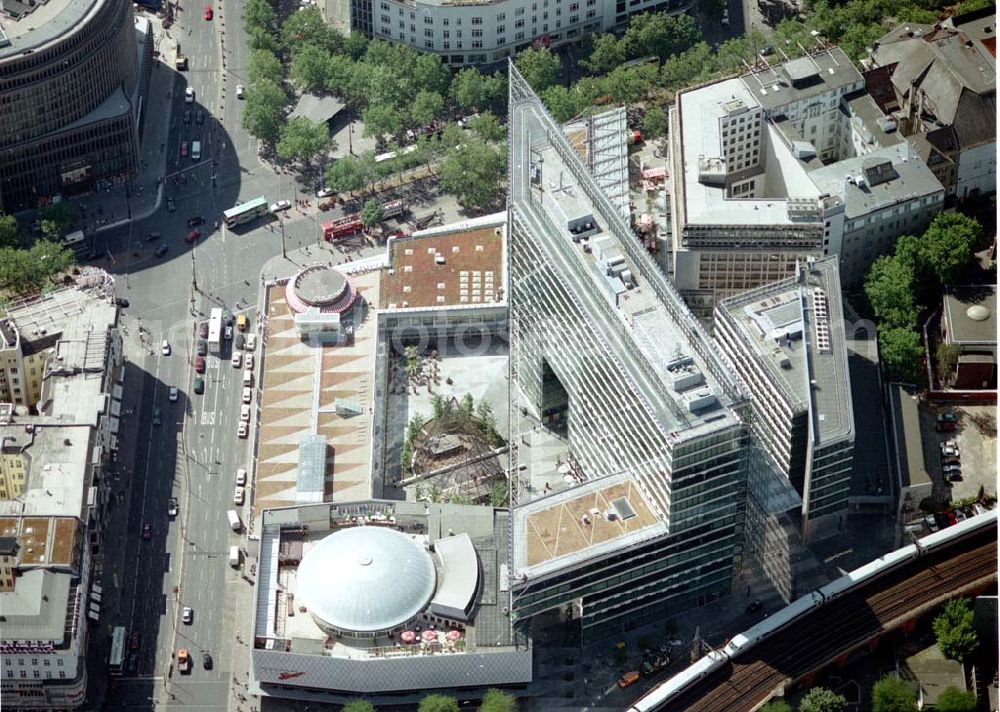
[946,248]
[382,120]
[901,353]
[355,45]
[472,173]
[659,34]
[427,106]
[952,699]
[303,140]
[539,67]
[889,287]
[9,233]
[306,27]
[25,271]
[310,67]
[346,175]
[496,700]
[487,127]
[264,112]
[438,703]
[891,694]
[776,706]
[472,90]
[371,213]
[956,636]
[259,14]
[56,220]
[655,124]
[564,103]
[265,65]
[606,53]
[822,699]
[358,706]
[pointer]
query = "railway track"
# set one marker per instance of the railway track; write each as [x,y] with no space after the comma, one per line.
[840,627]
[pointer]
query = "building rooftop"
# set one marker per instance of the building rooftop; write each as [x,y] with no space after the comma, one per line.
[32,26]
[644,323]
[908,178]
[317,109]
[796,329]
[44,541]
[37,607]
[420,560]
[907,440]
[601,141]
[802,78]
[970,314]
[581,522]
[460,264]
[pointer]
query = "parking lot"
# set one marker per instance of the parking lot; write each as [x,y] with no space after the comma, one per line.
[973,438]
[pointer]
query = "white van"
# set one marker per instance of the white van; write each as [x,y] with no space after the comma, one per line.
[234,556]
[96,588]
[95,596]
[247,378]
[234,520]
[189,96]
[72,238]
[195,150]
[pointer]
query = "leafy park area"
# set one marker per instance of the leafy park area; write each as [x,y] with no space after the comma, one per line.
[493,701]
[902,288]
[24,270]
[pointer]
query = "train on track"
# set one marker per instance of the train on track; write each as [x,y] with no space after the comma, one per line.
[660,696]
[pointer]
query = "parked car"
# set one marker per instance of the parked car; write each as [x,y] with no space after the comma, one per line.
[187,615]
[203,330]
[189,96]
[238,495]
[955,476]
[172,394]
[227,333]
[199,117]
[172,507]
[171,205]
[240,91]
[192,236]
[280,206]
[251,340]
[184,149]
[165,348]
[951,468]
[244,412]
[237,359]
[931,522]
[241,477]
[247,395]
[199,385]
[202,347]
[134,640]
[947,417]
[206,660]
[187,116]
[153,236]
[161,250]
[156,416]
[949,452]
[248,361]
[199,364]
[207,14]
[629,678]
[196,221]
[945,426]
[325,192]
[243,429]
[238,341]
[147,531]
[242,323]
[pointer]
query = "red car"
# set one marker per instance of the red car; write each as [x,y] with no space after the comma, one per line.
[134,640]
[199,364]
[192,236]
[184,149]
[208,12]
[147,531]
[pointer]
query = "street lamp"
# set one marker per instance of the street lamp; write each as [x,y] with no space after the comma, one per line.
[281,224]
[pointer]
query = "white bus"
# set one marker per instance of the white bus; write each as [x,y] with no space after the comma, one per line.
[215,332]
[116,661]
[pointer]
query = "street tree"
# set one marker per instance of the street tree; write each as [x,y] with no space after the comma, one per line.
[371,213]
[303,140]
[56,220]
[564,103]
[427,106]
[382,120]
[438,703]
[628,85]
[355,45]
[346,175]
[956,636]
[901,353]
[659,34]
[342,75]
[889,288]
[713,8]
[259,14]
[946,359]
[776,706]
[472,173]
[428,73]
[952,699]
[265,64]
[262,38]
[890,694]
[654,124]
[696,65]
[474,91]
[264,112]
[539,67]
[947,246]
[487,127]
[358,706]
[496,700]
[9,233]
[310,67]
[822,699]
[306,27]
[606,53]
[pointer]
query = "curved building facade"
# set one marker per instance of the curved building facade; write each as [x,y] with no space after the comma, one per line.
[72,75]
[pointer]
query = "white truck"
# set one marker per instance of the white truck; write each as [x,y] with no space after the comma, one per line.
[234,556]
[72,238]
[234,520]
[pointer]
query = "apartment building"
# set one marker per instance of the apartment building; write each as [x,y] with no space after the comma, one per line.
[786,340]
[776,166]
[481,32]
[938,82]
[54,492]
[604,351]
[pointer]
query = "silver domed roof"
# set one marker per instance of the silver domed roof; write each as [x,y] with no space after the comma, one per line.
[366,579]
